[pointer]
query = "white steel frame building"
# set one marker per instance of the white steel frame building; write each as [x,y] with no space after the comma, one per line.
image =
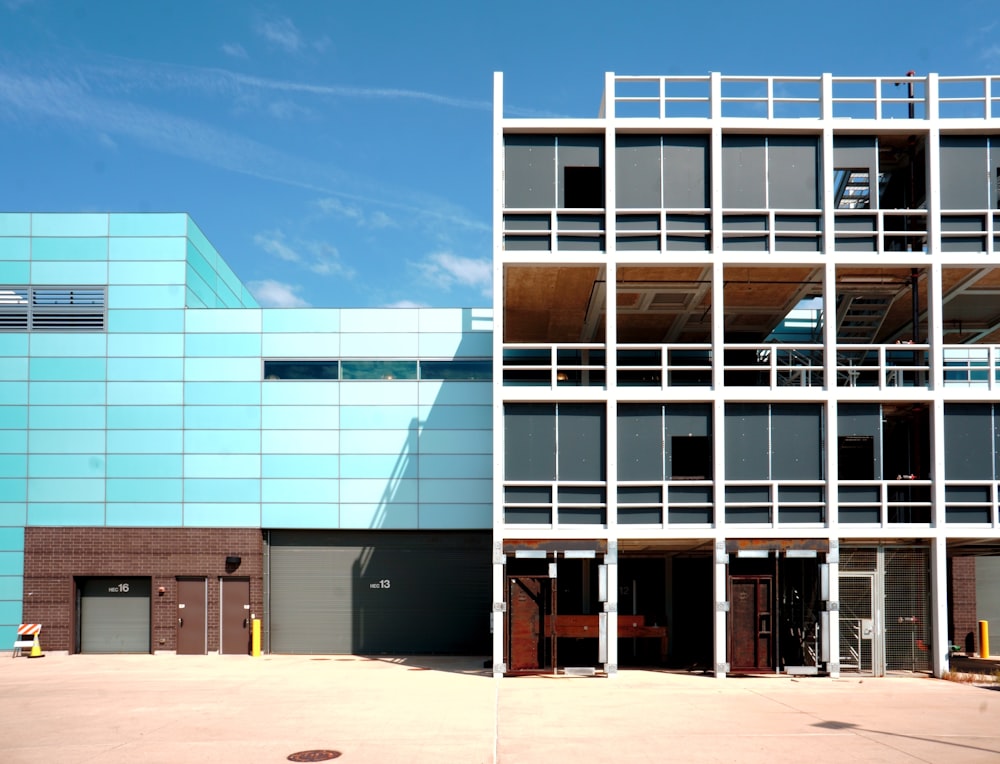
[746,373]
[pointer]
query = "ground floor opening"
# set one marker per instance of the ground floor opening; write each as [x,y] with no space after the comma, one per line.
[734,606]
[377,592]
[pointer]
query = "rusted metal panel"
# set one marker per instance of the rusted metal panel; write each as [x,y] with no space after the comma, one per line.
[528,605]
[778,545]
[751,630]
[556,545]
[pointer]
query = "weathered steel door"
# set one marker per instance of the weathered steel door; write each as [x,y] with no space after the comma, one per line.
[751,623]
[529,600]
[191,616]
[235,616]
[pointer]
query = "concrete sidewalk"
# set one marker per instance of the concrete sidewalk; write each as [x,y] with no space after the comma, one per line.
[165,708]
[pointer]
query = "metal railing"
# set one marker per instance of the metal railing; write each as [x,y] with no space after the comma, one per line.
[883,366]
[904,500]
[769,365]
[880,98]
[547,365]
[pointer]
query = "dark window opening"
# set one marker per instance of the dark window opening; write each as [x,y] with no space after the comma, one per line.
[691,457]
[379,369]
[583,187]
[856,457]
[853,188]
[301,370]
[469,371]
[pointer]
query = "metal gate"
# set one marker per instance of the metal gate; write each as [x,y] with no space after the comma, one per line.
[907,610]
[885,610]
[859,637]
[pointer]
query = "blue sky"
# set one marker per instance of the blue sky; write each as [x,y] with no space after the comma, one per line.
[338,153]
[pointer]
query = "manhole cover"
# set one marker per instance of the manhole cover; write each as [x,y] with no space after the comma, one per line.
[318,755]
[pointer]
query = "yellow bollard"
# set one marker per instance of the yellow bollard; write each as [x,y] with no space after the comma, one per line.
[984,639]
[255,638]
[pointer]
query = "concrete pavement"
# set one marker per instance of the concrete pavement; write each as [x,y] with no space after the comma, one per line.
[166,708]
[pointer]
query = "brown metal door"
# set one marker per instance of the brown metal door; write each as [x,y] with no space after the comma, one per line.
[751,623]
[191,616]
[527,604]
[235,616]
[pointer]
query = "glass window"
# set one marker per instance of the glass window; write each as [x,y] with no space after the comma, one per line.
[300,370]
[479,370]
[379,369]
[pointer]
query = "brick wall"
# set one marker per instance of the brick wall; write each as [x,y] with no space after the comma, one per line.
[963,626]
[55,559]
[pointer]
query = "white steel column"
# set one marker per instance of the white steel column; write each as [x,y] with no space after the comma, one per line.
[720,603]
[719,570]
[940,641]
[497,614]
[611,608]
[833,607]
[939,605]
[611,379]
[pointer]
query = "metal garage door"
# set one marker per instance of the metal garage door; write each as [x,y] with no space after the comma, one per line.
[369,592]
[114,615]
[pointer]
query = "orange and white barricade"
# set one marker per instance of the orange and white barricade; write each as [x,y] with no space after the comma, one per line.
[27,637]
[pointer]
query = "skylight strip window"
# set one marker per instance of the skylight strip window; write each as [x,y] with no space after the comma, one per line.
[452,370]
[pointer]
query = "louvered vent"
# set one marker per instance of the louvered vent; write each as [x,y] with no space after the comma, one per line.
[52,309]
[14,309]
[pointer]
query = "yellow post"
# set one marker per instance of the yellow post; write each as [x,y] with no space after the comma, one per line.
[255,638]
[984,639]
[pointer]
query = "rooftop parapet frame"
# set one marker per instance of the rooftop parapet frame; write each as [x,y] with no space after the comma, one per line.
[801,97]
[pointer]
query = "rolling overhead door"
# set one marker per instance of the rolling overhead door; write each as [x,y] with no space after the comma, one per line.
[367,592]
[114,615]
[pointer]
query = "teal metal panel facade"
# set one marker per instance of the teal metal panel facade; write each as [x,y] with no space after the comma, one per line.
[163,418]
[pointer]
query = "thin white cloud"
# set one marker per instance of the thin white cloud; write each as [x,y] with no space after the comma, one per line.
[281,33]
[446,270]
[406,304]
[317,256]
[379,219]
[331,205]
[149,74]
[72,102]
[275,294]
[285,109]
[325,260]
[274,244]
[234,49]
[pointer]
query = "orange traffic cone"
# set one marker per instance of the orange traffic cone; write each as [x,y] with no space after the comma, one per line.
[36,649]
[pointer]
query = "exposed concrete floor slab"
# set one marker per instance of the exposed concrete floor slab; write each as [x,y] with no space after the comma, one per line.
[166,708]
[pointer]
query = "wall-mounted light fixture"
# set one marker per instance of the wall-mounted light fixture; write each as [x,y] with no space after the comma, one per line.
[233,560]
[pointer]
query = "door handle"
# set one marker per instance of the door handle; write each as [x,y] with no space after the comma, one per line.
[180,621]
[246,622]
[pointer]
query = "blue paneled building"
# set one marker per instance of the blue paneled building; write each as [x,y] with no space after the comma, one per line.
[177,461]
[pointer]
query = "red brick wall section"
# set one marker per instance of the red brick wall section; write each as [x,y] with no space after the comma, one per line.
[963,626]
[54,558]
